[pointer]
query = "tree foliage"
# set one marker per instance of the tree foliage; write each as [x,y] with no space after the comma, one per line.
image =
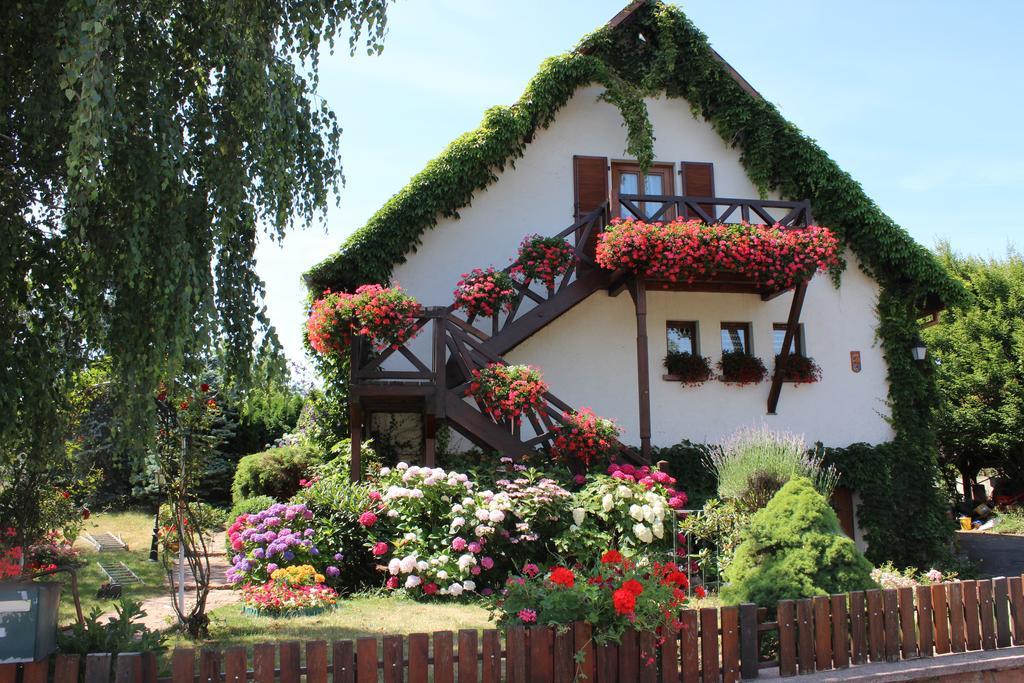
[143,146]
[978,352]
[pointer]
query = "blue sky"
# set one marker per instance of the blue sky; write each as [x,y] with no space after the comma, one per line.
[921,101]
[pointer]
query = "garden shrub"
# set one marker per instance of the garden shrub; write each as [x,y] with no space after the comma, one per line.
[250,506]
[275,473]
[755,462]
[795,549]
[690,464]
[714,533]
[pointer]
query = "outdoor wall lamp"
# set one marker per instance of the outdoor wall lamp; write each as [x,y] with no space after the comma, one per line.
[919,350]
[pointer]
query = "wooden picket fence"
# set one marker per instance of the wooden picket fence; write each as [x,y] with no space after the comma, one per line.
[724,644]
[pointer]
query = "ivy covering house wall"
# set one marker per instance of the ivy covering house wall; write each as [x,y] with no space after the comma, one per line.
[674,58]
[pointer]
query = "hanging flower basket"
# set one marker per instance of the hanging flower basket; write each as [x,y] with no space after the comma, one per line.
[799,369]
[738,367]
[385,315]
[484,292]
[686,251]
[584,438]
[508,391]
[544,259]
[687,368]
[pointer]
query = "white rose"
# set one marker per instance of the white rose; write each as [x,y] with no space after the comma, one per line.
[607,503]
[496,516]
[469,585]
[394,566]
[636,512]
[455,589]
[578,515]
[413,581]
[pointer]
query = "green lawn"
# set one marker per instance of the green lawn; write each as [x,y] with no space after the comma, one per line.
[355,617]
[136,529]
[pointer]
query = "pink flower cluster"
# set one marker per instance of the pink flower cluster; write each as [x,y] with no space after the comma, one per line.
[278,597]
[543,258]
[649,479]
[484,292]
[383,314]
[508,391]
[682,250]
[584,437]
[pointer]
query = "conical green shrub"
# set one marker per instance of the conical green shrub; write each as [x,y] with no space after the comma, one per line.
[795,548]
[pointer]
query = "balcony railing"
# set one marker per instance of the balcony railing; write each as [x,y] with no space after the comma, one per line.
[652,208]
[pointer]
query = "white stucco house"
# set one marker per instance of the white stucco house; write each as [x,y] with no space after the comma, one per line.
[556,162]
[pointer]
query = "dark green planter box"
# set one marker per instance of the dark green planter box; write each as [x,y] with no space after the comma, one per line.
[28,620]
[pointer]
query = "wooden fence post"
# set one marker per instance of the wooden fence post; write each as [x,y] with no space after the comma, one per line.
[730,644]
[1002,605]
[709,665]
[840,633]
[787,638]
[749,641]
[940,613]
[128,668]
[858,628]
[892,625]
[343,662]
[805,635]
[688,646]
[1017,609]
[925,623]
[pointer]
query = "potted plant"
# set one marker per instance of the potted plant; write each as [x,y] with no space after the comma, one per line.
[543,258]
[484,292]
[740,367]
[385,315]
[506,392]
[584,438]
[798,369]
[687,368]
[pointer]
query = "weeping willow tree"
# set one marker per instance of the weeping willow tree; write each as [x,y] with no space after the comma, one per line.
[144,145]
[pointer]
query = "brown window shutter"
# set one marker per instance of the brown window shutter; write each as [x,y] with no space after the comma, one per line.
[590,184]
[698,181]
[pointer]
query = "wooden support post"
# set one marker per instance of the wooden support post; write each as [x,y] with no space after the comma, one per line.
[429,440]
[355,428]
[638,289]
[791,327]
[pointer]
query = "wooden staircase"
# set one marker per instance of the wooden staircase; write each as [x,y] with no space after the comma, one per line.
[434,382]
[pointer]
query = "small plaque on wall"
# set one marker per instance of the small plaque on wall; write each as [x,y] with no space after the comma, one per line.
[855,361]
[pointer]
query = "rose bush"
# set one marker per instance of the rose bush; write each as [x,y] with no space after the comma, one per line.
[506,392]
[686,250]
[629,508]
[484,292]
[544,259]
[584,438]
[385,315]
[613,595]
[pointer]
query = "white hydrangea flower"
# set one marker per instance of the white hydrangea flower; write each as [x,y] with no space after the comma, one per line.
[624,492]
[402,466]
[483,530]
[643,533]
[392,513]
[497,516]
[385,471]
[636,512]
[659,529]
[455,589]
[409,536]
[482,515]
[578,515]
[607,502]
[422,566]
[457,509]
[469,585]
[467,501]
[394,566]
[408,564]
[442,575]
[457,523]
[466,561]
[413,581]
[648,513]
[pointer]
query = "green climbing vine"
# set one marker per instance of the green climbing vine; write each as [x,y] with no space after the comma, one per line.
[660,51]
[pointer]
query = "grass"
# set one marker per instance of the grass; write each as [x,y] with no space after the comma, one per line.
[136,529]
[1011,521]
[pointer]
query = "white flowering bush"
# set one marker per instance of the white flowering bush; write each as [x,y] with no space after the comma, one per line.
[435,533]
[629,508]
[889,576]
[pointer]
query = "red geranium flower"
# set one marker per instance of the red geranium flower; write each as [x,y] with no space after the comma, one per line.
[633,586]
[611,557]
[562,577]
[624,602]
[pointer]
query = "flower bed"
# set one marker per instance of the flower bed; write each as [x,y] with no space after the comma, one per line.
[687,368]
[739,367]
[277,537]
[484,292]
[384,315]
[295,591]
[544,259]
[584,438]
[508,391]
[799,369]
[683,250]
[613,595]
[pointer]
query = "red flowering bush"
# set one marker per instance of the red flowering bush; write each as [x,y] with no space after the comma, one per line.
[682,250]
[543,258]
[385,315]
[799,369]
[612,595]
[739,367]
[585,438]
[508,391]
[688,368]
[484,292]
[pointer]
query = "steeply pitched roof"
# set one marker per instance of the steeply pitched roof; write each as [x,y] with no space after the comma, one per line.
[655,48]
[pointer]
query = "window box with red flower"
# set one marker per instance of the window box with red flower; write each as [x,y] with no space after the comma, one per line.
[687,368]
[507,392]
[544,259]
[484,292]
[687,251]
[740,367]
[385,315]
[798,369]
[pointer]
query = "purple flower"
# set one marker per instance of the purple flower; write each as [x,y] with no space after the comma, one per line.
[314,552]
[259,553]
[337,557]
[289,556]
[333,571]
[308,532]
[271,568]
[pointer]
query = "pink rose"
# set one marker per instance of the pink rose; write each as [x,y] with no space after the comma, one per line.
[381,548]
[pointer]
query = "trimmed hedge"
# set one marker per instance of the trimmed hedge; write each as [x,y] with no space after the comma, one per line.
[275,473]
